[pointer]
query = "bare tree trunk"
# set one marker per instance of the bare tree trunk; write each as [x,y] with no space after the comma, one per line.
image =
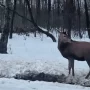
[2,15]
[5,33]
[12,20]
[49,16]
[87,17]
[37,12]
[58,9]
[24,14]
[69,18]
[69,10]
[33,22]
[79,16]
[63,15]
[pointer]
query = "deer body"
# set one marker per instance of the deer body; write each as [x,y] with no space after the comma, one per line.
[74,50]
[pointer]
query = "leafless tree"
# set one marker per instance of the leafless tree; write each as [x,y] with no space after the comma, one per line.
[5,33]
[12,20]
[87,17]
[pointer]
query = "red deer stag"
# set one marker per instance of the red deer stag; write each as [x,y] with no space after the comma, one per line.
[73,50]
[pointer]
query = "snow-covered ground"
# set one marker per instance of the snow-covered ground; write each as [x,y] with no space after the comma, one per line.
[39,55]
[12,84]
[30,53]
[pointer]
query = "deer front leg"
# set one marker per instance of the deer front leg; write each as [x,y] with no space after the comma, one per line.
[88,75]
[71,66]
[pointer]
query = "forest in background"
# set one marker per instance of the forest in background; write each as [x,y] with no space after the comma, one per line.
[25,16]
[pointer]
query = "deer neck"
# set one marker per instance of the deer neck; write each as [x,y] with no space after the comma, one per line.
[63,46]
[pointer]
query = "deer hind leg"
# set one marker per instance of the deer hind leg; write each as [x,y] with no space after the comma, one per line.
[71,66]
[88,62]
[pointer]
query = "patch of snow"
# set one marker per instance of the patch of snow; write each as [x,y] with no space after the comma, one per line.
[12,84]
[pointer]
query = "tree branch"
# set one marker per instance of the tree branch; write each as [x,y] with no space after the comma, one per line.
[35,24]
[32,20]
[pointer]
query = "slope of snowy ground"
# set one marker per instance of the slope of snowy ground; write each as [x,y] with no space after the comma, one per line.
[12,84]
[36,54]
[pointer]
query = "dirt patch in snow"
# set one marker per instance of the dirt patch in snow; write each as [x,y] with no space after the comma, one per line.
[33,76]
